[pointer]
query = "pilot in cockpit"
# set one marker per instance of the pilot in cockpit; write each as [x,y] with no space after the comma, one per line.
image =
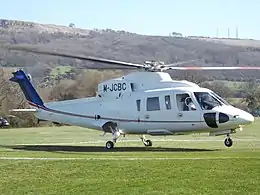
[189,103]
[206,101]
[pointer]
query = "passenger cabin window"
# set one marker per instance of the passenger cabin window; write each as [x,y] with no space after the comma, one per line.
[138,104]
[167,99]
[152,104]
[185,102]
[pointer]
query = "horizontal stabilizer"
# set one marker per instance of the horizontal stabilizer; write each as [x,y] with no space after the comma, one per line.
[23,110]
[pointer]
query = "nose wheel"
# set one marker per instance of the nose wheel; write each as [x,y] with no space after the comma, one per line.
[228,142]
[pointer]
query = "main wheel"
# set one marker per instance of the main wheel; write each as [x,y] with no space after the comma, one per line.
[109,145]
[228,142]
[148,143]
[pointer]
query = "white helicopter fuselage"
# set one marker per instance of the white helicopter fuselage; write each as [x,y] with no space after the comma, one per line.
[154,111]
[141,103]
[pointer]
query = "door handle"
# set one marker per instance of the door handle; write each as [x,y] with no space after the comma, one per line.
[180,114]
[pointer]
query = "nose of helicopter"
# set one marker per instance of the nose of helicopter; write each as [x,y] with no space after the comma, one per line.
[244,117]
[238,116]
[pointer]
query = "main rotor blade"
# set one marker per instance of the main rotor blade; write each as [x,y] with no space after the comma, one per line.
[106,68]
[183,62]
[90,58]
[216,68]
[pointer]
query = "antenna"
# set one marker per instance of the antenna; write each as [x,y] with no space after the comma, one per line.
[228,32]
[236,32]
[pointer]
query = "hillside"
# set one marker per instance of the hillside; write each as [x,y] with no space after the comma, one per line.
[121,45]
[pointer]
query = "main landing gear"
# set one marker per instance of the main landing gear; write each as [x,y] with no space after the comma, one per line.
[145,141]
[116,134]
[109,145]
[228,141]
[112,127]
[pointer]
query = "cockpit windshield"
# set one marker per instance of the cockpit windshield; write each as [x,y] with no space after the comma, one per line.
[220,98]
[208,100]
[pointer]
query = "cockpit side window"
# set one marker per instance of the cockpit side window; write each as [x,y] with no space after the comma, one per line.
[184,102]
[207,101]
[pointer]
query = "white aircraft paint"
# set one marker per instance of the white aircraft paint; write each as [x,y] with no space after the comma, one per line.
[116,103]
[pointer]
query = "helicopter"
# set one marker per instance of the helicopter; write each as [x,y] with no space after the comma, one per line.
[147,102]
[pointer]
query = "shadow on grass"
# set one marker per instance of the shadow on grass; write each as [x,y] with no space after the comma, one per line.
[64,148]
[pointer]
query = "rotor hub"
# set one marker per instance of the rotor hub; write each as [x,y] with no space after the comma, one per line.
[153,65]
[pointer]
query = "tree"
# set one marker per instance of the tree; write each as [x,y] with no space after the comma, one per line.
[192,76]
[176,34]
[84,86]
[219,88]
[12,97]
[72,25]
[251,95]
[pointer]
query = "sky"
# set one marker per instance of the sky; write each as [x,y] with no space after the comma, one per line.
[153,17]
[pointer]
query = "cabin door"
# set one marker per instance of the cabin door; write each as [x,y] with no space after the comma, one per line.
[148,108]
[188,114]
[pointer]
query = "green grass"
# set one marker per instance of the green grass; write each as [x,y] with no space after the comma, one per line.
[202,165]
[232,85]
[60,70]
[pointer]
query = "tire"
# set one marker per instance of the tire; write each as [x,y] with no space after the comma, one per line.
[109,145]
[148,143]
[228,142]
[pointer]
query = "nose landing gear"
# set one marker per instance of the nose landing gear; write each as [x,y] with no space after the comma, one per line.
[228,141]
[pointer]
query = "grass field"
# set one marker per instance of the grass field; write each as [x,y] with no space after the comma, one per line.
[72,160]
[60,70]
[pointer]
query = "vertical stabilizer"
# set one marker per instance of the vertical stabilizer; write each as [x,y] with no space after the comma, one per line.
[28,90]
